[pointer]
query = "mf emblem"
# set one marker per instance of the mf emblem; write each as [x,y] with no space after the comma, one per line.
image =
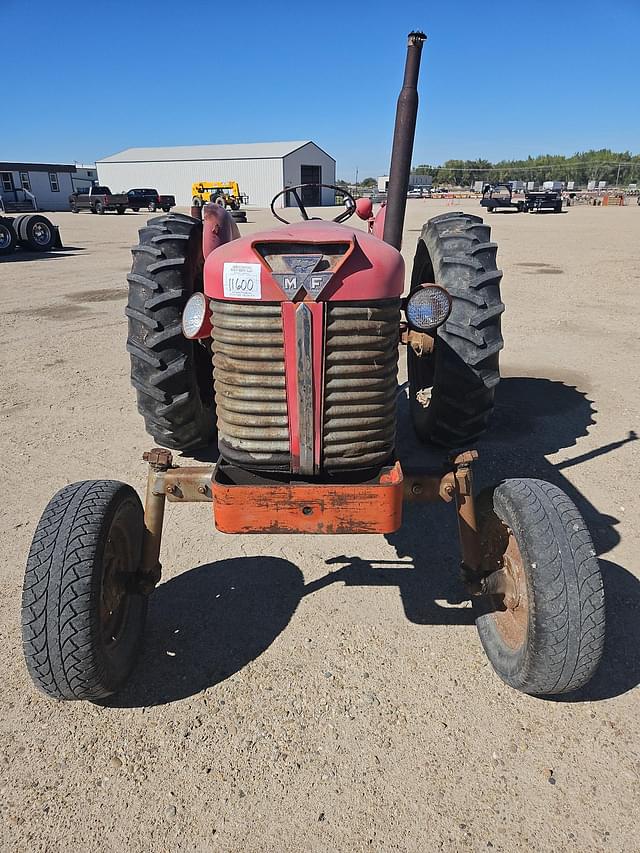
[302,275]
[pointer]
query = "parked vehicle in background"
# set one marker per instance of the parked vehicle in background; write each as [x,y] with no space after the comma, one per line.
[500,196]
[151,199]
[226,193]
[97,200]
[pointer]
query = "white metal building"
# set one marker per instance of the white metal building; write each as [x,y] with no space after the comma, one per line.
[261,169]
[50,183]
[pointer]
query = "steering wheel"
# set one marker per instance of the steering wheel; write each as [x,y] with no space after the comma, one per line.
[341,217]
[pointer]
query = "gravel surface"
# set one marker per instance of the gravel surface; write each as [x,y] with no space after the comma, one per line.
[327,693]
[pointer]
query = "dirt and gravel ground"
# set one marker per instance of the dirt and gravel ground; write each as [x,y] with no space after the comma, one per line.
[327,694]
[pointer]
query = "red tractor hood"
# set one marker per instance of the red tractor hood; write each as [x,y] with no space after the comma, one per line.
[313,261]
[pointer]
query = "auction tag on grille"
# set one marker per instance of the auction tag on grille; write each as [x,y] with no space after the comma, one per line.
[242,281]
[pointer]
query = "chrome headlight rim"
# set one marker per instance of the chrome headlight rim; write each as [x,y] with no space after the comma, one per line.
[445,307]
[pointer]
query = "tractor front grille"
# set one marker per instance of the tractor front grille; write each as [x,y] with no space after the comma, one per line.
[360,384]
[361,364]
[251,400]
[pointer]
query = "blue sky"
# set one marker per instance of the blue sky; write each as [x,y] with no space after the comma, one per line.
[82,80]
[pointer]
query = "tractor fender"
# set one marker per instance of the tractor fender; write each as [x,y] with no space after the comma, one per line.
[218,227]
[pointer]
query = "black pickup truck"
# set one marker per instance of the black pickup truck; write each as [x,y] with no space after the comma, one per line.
[97,200]
[150,199]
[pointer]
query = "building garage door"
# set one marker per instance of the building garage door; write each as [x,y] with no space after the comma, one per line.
[311,175]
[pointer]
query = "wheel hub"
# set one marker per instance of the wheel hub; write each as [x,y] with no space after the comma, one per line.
[114,599]
[507,585]
[41,234]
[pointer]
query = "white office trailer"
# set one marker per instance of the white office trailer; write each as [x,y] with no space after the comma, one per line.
[50,184]
[261,170]
[85,175]
[416,182]
[555,186]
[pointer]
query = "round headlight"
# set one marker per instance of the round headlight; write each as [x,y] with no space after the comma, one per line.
[195,317]
[428,307]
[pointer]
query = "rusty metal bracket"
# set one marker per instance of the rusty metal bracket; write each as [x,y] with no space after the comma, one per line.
[160,460]
[420,342]
[184,485]
[427,486]
[467,521]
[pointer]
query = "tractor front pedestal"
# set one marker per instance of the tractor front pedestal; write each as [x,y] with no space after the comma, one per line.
[248,503]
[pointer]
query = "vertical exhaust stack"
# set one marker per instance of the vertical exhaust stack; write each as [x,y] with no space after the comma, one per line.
[403,135]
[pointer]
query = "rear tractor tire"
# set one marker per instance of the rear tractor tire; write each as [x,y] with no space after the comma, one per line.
[451,390]
[546,636]
[173,376]
[83,617]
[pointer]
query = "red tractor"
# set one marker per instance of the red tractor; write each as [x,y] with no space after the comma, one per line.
[285,344]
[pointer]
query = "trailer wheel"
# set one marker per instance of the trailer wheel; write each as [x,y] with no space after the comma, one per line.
[166,209]
[546,634]
[35,232]
[172,375]
[8,237]
[82,616]
[135,209]
[120,210]
[451,390]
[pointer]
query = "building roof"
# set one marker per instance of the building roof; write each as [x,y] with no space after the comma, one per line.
[240,151]
[36,167]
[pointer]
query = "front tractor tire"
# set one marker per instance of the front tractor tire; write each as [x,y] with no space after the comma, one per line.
[83,616]
[451,390]
[546,634]
[172,375]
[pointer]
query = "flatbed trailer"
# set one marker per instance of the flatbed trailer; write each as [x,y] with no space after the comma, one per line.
[535,200]
[500,197]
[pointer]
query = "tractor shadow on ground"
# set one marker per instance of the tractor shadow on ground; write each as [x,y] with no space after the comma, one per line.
[534,418]
[208,623]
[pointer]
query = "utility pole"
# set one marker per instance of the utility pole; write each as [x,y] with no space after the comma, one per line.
[618,176]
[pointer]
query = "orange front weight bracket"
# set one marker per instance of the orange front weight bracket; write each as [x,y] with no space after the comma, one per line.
[268,507]
[372,507]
